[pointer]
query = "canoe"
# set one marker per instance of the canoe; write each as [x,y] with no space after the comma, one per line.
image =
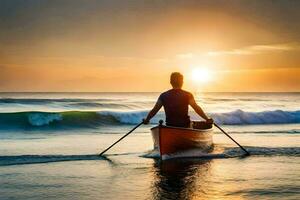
[169,141]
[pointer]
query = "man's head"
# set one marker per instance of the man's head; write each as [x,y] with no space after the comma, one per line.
[176,80]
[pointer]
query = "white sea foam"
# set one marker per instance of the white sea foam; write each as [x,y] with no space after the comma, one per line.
[238,117]
[131,117]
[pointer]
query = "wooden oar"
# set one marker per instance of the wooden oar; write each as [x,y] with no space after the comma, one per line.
[121,138]
[247,153]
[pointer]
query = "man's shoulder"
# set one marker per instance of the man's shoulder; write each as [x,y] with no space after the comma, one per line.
[165,93]
[188,93]
[171,91]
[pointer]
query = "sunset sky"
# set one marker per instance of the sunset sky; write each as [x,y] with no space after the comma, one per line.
[90,46]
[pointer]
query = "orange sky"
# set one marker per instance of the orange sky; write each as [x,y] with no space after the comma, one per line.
[134,46]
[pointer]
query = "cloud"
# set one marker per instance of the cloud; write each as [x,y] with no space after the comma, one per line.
[256,49]
[185,55]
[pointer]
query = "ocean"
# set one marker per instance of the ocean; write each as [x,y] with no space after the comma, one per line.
[49,144]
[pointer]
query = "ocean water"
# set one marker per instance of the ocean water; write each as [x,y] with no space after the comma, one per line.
[49,144]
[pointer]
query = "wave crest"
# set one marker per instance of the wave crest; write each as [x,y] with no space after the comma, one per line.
[240,117]
[41,119]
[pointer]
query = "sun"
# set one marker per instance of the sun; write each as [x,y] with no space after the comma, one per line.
[201,75]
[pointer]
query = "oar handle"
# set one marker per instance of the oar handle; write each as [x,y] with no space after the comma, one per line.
[121,138]
[247,153]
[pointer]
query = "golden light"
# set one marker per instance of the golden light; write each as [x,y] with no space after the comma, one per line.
[201,75]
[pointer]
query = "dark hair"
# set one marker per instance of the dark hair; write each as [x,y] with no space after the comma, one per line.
[176,79]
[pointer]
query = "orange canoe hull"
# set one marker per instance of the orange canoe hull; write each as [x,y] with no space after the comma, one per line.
[171,140]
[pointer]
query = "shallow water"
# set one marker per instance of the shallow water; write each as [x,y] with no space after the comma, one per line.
[56,160]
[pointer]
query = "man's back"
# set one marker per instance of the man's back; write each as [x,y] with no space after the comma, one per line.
[176,104]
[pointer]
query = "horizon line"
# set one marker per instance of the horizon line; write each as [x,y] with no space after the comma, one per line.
[145,92]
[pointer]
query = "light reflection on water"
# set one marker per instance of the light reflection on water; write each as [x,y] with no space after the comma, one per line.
[177,179]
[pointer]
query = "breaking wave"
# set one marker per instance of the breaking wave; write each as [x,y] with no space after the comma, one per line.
[240,117]
[91,119]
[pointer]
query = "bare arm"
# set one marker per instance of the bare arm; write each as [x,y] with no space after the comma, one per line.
[199,110]
[153,112]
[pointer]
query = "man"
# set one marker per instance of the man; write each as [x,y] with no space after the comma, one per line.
[176,103]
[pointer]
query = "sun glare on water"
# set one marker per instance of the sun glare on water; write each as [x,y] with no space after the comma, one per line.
[201,75]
